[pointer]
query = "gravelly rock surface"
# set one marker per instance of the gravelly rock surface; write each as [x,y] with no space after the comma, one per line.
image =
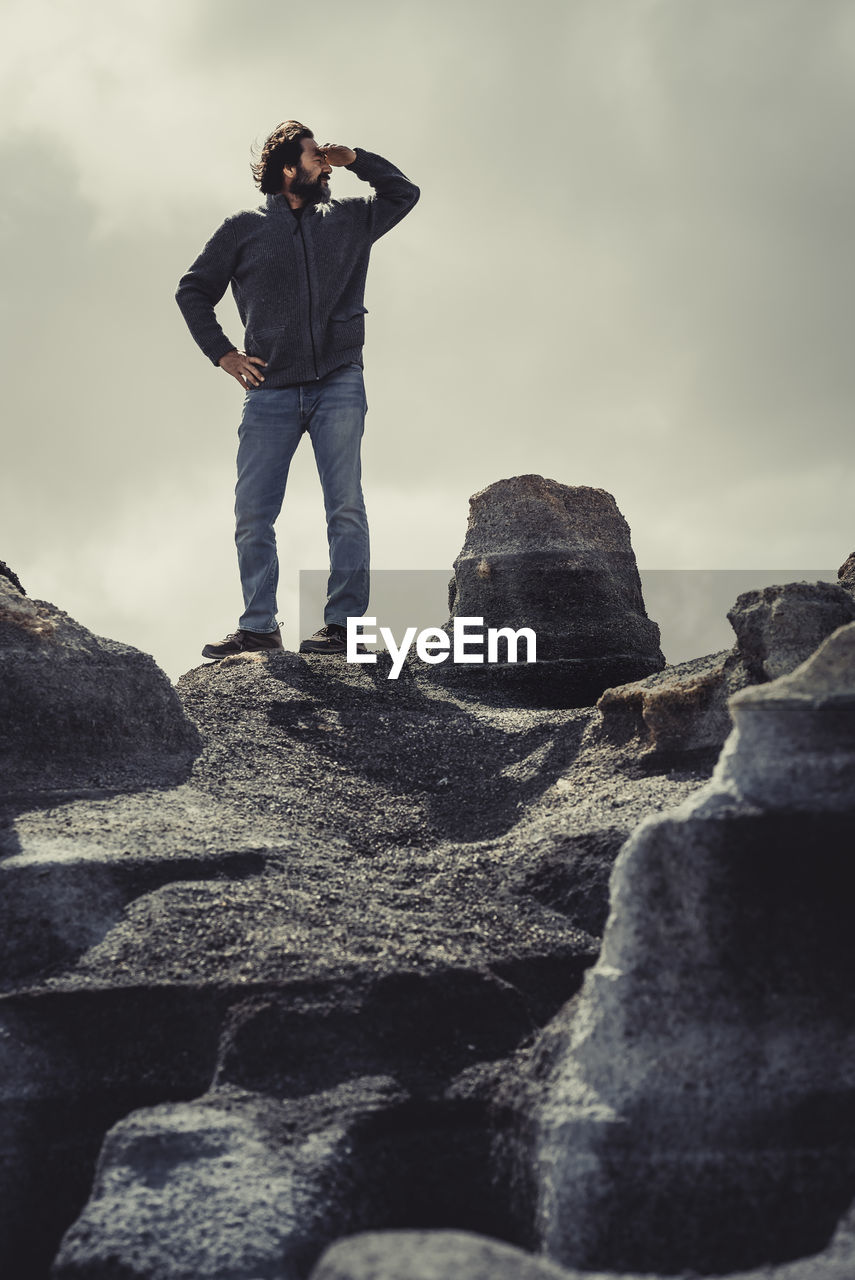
[317,982]
[80,712]
[362,878]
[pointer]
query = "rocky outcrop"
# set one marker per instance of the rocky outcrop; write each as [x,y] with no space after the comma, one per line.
[684,708]
[700,1104]
[679,711]
[779,627]
[320,987]
[558,560]
[234,1184]
[307,963]
[794,745]
[846,573]
[11,576]
[80,712]
[343,924]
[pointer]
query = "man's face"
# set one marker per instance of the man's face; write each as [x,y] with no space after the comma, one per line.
[311,181]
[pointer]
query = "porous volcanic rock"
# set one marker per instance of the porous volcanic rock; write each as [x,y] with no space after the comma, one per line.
[779,627]
[684,708]
[299,994]
[846,573]
[794,745]
[432,1255]
[231,1184]
[680,710]
[80,712]
[11,576]
[462,1255]
[698,1109]
[366,897]
[556,559]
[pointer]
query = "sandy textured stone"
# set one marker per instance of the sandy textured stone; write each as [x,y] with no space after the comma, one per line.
[80,712]
[229,1185]
[297,993]
[557,559]
[794,741]
[684,708]
[432,1255]
[700,1110]
[846,573]
[680,709]
[777,628]
[362,879]
[459,1255]
[11,576]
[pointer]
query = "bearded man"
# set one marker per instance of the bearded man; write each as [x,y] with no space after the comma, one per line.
[297,266]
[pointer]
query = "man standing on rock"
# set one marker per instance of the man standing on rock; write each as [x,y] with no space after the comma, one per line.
[297,266]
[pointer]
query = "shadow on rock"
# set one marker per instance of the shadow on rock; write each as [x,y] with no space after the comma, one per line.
[380,761]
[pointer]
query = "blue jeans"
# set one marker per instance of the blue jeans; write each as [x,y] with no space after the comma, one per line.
[332,410]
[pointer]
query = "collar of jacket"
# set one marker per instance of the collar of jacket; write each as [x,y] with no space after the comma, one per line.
[278,204]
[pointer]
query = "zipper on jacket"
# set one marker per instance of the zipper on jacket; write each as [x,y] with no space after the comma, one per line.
[309,290]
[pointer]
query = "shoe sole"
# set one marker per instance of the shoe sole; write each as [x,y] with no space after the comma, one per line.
[218,657]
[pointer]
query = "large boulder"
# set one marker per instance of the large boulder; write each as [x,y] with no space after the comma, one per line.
[79,712]
[232,1184]
[556,559]
[700,1104]
[684,708]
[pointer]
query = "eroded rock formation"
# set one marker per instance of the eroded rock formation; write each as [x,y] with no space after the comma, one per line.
[311,959]
[777,628]
[557,559]
[81,712]
[846,573]
[684,708]
[701,1107]
[302,994]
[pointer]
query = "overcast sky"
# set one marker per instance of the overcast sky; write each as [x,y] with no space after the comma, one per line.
[631,267]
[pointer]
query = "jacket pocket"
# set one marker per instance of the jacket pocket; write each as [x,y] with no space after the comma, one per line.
[276,346]
[347,328]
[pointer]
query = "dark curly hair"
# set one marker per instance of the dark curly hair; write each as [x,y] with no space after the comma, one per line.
[284,146]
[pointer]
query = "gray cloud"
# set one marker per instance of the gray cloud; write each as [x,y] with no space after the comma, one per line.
[630,268]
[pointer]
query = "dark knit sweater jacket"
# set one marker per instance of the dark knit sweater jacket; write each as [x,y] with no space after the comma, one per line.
[298,282]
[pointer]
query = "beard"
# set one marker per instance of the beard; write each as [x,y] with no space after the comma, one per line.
[313,192]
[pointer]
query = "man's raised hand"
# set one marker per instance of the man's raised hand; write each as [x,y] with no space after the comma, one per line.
[337,155]
[241,366]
